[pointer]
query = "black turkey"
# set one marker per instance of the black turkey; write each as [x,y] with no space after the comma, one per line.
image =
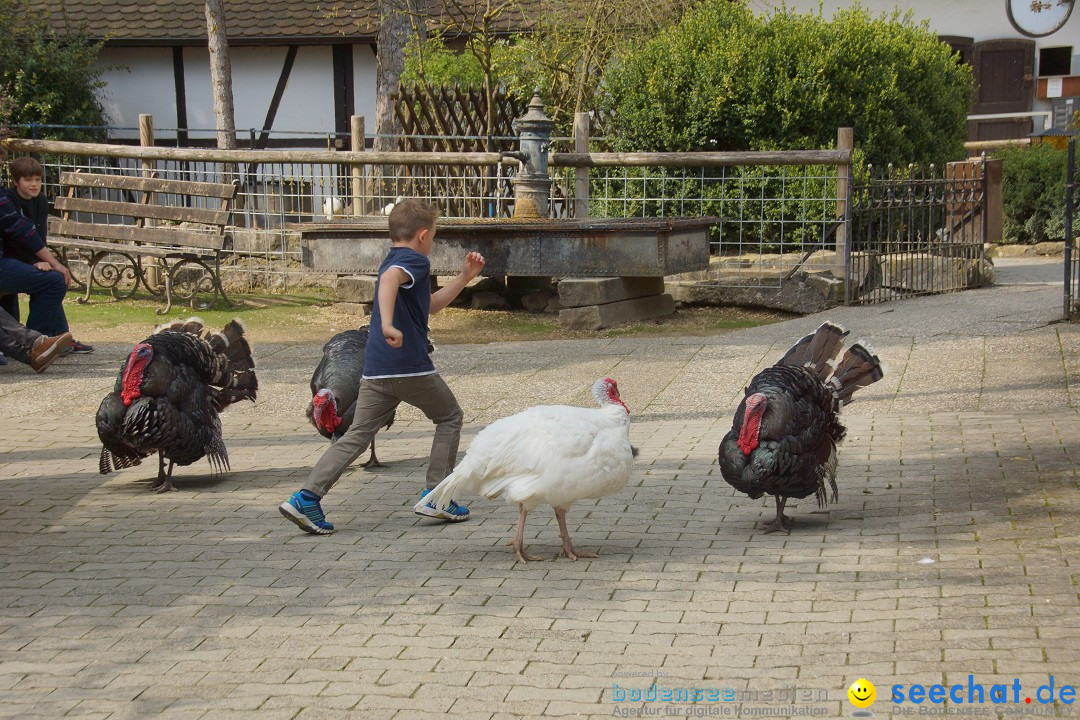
[168,395]
[784,436]
[335,385]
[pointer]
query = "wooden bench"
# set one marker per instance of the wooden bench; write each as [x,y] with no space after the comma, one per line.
[116,217]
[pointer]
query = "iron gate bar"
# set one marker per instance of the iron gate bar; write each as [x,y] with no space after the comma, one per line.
[1072,263]
[917,231]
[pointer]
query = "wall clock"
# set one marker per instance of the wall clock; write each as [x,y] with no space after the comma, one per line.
[1038,18]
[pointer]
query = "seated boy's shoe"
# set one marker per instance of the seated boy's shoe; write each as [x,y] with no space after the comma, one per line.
[3,360]
[82,348]
[47,349]
[303,508]
[451,513]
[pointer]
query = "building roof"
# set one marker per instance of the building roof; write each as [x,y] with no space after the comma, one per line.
[152,22]
[182,22]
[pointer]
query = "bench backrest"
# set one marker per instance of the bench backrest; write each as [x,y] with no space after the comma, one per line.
[85,191]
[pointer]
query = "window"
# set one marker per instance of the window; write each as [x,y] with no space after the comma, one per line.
[1055,61]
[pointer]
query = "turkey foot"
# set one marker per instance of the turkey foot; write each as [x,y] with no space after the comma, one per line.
[163,482]
[782,523]
[567,549]
[372,461]
[519,536]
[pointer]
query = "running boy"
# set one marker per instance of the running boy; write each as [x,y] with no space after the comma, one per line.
[397,369]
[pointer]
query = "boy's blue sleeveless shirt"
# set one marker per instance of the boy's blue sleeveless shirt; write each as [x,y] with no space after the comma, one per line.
[410,317]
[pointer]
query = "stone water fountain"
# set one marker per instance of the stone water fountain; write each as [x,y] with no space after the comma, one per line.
[624,259]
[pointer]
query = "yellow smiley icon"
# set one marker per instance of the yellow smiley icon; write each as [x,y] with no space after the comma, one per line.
[862,693]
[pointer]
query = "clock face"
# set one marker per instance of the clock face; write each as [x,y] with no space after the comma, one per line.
[1038,18]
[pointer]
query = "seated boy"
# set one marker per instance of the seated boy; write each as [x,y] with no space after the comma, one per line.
[34,275]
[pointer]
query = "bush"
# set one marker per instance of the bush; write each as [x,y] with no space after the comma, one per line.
[47,76]
[1033,190]
[727,79]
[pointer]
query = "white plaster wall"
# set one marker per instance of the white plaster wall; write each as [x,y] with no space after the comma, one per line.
[144,84]
[306,106]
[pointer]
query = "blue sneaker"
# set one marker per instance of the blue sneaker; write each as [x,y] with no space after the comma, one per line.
[303,508]
[451,513]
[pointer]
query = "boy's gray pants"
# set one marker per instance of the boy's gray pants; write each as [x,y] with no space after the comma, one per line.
[375,402]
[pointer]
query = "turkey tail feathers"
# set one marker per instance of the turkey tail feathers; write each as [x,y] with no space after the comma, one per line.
[193,326]
[110,461]
[858,368]
[238,380]
[815,351]
[442,493]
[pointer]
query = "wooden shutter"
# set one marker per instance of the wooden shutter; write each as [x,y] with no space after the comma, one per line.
[1004,76]
[962,46]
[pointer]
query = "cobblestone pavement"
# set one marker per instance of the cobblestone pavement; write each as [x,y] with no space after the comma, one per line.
[951,552]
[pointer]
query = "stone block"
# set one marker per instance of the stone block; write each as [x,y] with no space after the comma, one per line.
[357,309]
[1007,251]
[583,292]
[356,288]
[537,300]
[487,300]
[1050,248]
[801,293]
[255,240]
[597,317]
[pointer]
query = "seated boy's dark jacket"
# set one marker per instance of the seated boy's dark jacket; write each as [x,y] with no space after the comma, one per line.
[36,210]
[21,239]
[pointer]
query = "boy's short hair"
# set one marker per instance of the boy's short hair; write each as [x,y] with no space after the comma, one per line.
[25,167]
[409,217]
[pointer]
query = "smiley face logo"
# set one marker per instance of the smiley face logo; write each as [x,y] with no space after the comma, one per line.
[862,693]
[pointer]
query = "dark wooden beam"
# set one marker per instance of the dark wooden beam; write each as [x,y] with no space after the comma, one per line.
[181,95]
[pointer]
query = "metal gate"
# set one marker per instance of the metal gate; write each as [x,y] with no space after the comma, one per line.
[1072,257]
[917,231]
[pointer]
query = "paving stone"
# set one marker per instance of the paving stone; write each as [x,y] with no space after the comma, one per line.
[115,602]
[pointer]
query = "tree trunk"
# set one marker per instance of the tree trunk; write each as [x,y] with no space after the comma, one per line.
[221,75]
[398,21]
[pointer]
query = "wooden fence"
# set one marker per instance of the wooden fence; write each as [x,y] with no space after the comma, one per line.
[453,119]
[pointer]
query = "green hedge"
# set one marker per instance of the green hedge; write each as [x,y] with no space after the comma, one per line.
[1033,190]
[728,79]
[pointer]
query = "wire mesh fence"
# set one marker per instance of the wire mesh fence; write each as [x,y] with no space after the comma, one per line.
[907,233]
[771,220]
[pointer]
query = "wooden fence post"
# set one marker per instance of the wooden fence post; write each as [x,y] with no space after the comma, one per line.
[581,174]
[845,140]
[149,170]
[356,127]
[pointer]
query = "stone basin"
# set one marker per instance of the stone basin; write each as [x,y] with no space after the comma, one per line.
[594,247]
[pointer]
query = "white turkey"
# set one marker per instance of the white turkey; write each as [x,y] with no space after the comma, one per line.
[548,455]
[784,436]
[168,395]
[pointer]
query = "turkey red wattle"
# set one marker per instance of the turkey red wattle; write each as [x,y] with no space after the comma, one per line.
[326,411]
[751,426]
[606,392]
[132,377]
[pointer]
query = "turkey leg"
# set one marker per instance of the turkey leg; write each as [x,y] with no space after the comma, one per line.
[372,461]
[516,543]
[163,482]
[782,522]
[567,549]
